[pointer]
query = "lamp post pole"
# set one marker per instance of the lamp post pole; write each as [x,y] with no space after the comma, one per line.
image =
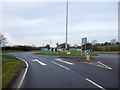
[66,25]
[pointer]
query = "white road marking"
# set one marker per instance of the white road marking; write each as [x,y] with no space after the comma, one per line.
[60,65]
[104,65]
[87,63]
[39,62]
[64,61]
[95,83]
[23,77]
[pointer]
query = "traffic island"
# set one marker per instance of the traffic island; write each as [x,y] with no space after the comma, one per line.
[63,53]
[75,57]
[91,61]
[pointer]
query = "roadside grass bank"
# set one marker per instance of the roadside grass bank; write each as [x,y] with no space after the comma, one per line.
[0,77]
[64,54]
[11,66]
[106,52]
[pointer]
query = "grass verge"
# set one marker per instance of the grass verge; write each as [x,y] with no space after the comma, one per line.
[106,52]
[64,54]
[10,69]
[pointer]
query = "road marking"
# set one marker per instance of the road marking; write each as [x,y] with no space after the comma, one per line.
[39,62]
[94,83]
[23,77]
[64,61]
[87,63]
[104,65]
[60,65]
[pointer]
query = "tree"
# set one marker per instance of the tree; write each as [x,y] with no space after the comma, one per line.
[113,41]
[106,43]
[47,46]
[3,40]
[88,46]
[94,42]
[75,45]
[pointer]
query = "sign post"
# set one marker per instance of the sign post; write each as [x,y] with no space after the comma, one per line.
[88,52]
[81,48]
[84,41]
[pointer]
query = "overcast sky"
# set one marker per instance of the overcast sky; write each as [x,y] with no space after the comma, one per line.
[29,23]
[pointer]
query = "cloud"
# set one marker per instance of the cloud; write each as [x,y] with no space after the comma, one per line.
[37,23]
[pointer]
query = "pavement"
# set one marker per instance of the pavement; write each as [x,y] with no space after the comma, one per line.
[56,72]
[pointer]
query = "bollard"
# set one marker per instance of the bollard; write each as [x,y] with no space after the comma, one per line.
[87,57]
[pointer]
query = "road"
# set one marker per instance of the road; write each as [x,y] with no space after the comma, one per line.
[55,72]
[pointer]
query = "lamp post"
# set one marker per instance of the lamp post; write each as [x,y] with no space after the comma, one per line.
[66,25]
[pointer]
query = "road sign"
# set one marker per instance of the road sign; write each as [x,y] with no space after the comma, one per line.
[57,44]
[84,40]
[88,52]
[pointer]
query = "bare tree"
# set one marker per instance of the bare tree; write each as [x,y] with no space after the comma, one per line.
[113,41]
[3,40]
[94,42]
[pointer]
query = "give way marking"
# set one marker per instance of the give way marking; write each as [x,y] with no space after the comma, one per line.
[35,60]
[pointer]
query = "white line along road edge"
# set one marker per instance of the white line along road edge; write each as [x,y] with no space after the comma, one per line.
[39,62]
[60,65]
[104,65]
[95,84]
[23,77]
[64,61]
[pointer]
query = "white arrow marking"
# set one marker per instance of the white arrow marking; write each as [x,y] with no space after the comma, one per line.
[64,61]
[39,62]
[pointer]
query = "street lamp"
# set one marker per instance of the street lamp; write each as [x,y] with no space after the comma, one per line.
[66,25]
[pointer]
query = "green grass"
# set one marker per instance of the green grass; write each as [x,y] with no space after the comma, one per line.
[8,57]
[106,52]
[0,77]
[0,61]
[10,70]
[63,54]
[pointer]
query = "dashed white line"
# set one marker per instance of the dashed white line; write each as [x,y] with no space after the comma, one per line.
[64,61]
[60,65]
[39,62]
[23,77]
[104,65]
[95,83]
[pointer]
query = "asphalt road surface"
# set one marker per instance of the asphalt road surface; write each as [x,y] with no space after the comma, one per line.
[55,72]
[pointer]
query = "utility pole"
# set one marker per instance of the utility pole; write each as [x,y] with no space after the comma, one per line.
[66,25]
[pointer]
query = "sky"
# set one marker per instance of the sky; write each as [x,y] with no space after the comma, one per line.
[38,23]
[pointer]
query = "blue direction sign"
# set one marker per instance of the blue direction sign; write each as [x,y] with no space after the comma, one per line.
[57,44]
[88,52]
